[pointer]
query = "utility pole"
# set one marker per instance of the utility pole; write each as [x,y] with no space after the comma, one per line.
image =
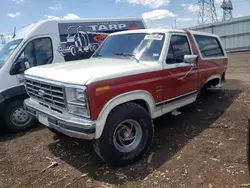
[207,12]
[227,7]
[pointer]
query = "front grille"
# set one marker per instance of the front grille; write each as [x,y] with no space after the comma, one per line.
[45,92]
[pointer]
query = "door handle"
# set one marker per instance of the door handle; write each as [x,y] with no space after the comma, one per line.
[194,67]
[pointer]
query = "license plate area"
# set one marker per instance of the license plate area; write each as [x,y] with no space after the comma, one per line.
[43,119]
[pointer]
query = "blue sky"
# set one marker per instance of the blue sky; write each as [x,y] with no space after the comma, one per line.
[158,13]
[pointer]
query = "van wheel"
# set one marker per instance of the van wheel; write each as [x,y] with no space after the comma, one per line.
[127,135]
[16,119]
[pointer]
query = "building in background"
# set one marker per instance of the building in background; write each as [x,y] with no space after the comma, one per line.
[234,33]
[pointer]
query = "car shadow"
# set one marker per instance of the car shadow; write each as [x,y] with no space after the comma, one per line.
[5,135]
[172,134]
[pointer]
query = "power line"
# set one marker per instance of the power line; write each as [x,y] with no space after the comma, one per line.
[207,12]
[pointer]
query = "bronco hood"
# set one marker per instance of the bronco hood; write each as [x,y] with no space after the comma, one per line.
[94,69]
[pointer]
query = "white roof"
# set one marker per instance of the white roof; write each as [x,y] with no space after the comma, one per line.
[149,31]
[51,26]
[201,33]
[162,31]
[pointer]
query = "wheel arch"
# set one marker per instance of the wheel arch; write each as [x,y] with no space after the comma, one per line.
[14,93]
[213,78]
[140,97]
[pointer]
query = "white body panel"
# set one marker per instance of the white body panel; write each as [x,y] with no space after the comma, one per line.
[91,70]
[8,81]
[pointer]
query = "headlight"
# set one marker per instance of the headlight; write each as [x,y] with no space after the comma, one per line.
[77,101]
[78,110]
[80,95]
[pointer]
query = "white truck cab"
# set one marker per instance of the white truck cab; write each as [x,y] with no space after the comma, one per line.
[46,42]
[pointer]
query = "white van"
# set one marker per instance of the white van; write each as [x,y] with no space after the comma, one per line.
[47,42]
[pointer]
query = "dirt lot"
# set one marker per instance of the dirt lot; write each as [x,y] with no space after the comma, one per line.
[205,147]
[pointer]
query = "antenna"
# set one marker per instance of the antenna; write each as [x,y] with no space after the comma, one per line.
[227,7]
[14,34]
[207,12]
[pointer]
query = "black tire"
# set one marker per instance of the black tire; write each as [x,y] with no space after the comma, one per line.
[106,148]
[203,91]
[11,106]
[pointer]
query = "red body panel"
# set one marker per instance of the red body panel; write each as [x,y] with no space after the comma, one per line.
[175,86]
[210,67]
[147,81]
[169,79]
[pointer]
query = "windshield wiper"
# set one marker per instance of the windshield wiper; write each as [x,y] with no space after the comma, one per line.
[128,55]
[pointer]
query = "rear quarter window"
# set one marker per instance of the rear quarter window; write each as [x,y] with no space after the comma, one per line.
[209,46]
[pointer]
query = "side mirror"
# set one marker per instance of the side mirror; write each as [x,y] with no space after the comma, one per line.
[24,62]
[191,59]
[20,66]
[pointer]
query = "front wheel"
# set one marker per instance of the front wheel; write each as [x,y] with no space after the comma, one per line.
[127,135]
[16,119]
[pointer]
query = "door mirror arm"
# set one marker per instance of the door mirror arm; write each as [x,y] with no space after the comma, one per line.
[192,60]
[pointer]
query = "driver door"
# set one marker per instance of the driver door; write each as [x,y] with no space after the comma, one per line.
[38,52]
[179,82]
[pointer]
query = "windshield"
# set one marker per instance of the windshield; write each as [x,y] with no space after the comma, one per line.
[140,46]
[7,50]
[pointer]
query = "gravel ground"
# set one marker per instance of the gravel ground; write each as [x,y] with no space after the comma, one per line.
[205,147]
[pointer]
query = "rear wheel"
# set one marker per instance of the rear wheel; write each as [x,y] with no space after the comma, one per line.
[127,135]
[16,119]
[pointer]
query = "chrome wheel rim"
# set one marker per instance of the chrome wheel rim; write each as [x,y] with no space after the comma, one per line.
[127,136]
[19,117]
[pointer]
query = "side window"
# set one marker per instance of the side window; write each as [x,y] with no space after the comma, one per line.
[209,46]
[170,57]
[179,47]
[38,52]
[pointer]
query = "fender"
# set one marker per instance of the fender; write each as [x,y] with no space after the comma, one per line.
[14,92]
[121,99]
[11,93]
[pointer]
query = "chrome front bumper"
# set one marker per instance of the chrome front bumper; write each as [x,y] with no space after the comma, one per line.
[65,123]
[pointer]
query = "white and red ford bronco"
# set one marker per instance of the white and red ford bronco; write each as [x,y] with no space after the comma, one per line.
[133,77]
